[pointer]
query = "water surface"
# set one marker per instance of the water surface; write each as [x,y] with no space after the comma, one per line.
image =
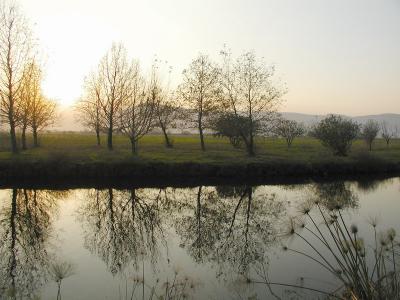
[205,242]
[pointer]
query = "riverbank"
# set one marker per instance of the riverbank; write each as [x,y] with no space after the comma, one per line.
[74,158]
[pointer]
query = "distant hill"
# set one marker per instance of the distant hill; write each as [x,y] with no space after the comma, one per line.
[390,119]
[67,120]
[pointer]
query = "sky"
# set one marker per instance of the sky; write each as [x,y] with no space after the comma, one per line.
[339,56]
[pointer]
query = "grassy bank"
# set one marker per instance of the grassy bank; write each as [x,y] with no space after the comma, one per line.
[70,155]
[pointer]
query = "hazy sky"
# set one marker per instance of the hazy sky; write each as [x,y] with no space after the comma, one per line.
[339,56]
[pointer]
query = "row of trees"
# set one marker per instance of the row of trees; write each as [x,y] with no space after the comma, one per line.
[335,132]
[338,133]
[235,98]
[22,103]
[118,98]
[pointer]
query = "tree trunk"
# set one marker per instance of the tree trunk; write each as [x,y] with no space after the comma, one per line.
[13,136]
[167,141]
[250,145]
[370,146]
[109,139]
[13,225]
[35,137]
[203,147]
[98,136]
[23,138]
[134,146]
[199,241]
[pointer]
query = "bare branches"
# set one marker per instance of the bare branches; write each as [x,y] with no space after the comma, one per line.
[248,91]
[289,130]
[89,107]
[388,132]
[136,116]
[199,90]
[369,132]
[15,53]
[115,75]
[166,109]
[43,114]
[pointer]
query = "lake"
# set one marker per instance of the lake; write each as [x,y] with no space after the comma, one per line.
[202,242]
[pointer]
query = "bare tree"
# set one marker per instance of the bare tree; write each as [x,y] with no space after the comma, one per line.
[89,106]
[388,132]
[166,112]
[247,91]
[289,130]
[43,114]
[199,91]
[369,132]
[29,94]
[166,107]
[115,75]
[15,49]
[136,115]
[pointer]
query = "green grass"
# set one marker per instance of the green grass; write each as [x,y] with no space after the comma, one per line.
[81,148]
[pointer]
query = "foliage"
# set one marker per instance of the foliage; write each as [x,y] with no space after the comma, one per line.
[336,133]
[234,128]
[369,132]
[289,130]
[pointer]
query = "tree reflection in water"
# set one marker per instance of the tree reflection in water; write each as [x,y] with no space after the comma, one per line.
[25,228]
[334,194]
[122,226]
[231,227]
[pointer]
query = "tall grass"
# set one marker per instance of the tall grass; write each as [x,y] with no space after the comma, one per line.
[363,271]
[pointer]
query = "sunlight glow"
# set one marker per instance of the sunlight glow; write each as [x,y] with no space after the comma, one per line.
[339,57]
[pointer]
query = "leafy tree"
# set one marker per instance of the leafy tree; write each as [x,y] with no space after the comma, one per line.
[369,132]
[336,133]
[233,127]
[289,130]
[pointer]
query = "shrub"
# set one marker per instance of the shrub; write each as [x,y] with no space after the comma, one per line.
[236,128]
[289,130]
[369,132]
[336,133]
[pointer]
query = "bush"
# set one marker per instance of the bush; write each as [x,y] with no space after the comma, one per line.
[336,133]
[233,127]
[289,130]
[369,132]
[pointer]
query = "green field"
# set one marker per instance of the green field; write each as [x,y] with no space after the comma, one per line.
[81,148]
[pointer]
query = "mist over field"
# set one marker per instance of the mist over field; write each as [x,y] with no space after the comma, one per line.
[68,122]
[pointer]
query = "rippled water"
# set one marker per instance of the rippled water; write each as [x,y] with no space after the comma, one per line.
[201,242]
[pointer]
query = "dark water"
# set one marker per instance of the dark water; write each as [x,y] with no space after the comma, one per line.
[204,242]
